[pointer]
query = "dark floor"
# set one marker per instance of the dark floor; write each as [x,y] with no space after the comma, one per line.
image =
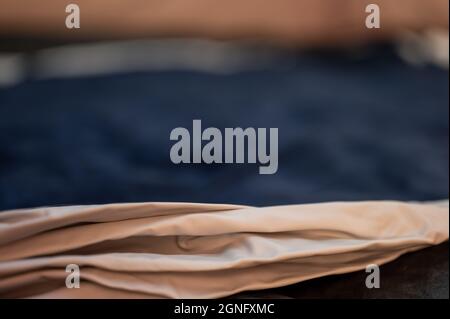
[421,274]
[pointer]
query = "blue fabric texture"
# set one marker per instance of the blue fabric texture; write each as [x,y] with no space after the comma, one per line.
[349,129]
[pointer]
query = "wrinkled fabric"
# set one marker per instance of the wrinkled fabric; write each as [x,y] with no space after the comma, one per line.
[184,250]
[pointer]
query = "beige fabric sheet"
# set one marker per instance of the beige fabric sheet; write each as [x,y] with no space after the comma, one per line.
[184,250]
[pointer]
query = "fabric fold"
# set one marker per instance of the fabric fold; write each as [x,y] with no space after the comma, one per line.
[185,250]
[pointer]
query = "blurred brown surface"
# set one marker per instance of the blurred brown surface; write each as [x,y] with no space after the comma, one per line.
[292,22]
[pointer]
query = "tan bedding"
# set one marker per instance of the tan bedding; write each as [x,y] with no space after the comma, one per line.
[183,250]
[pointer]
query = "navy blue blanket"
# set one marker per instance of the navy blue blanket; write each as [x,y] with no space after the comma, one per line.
[349,129]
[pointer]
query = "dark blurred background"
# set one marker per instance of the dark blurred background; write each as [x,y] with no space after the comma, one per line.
[350,128]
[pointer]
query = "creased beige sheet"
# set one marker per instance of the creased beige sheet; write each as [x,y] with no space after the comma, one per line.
[185,250]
